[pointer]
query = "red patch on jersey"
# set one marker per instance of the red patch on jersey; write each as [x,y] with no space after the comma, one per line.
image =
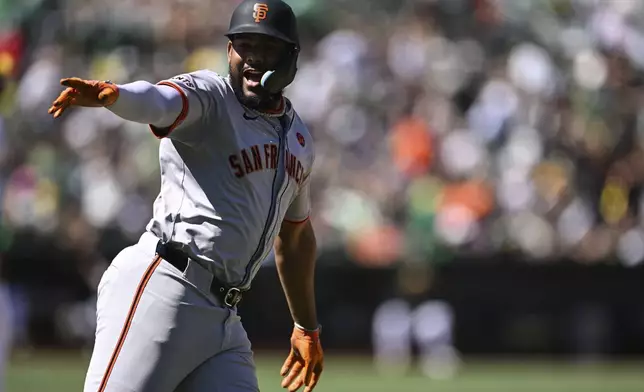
[300,139]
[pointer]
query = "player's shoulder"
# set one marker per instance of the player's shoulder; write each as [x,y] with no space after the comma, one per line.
[297,121]
[203,79]
[301,131]
[208,74]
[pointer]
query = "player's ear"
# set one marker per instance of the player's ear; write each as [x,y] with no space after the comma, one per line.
[229,50]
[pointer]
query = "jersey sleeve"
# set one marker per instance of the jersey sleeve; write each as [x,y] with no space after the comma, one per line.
[201,93]
[300,208]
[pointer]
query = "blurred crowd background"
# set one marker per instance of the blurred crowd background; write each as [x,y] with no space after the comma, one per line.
[445,126]
[442,127]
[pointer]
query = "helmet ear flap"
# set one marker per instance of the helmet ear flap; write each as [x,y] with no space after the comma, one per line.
[274,81]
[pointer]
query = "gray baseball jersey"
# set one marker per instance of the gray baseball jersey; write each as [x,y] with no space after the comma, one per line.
[229,177]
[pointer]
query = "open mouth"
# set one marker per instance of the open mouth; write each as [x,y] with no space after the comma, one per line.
[252,77]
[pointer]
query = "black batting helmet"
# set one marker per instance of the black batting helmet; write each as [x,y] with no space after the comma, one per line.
[274,18]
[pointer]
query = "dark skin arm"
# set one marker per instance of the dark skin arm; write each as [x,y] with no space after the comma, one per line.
[295,254]
[295,250]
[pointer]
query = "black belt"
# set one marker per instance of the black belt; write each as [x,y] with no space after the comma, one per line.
[170,252]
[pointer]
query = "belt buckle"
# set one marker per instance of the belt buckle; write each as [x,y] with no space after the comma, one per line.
[232,297]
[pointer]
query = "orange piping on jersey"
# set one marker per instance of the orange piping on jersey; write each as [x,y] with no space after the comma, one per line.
[297,222]
[160,133]
[128,320]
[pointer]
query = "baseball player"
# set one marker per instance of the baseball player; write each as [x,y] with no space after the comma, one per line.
[235,162]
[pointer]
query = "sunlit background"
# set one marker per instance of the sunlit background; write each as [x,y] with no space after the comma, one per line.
[477,190]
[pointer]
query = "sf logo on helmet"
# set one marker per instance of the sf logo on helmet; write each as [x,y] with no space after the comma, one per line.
[260,11]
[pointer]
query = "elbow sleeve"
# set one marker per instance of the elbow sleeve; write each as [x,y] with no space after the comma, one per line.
[146,103]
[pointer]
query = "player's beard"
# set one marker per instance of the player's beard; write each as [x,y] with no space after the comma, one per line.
[261,100]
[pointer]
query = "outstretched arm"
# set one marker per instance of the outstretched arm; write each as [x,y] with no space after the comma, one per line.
[160,105]
[147,103]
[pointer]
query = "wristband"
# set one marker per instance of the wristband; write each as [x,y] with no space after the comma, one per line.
[298,326]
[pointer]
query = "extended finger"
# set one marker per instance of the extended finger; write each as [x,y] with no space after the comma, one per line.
[76,83]
[59,112]
[307,373]
[55,106]
[314,382]
[288,364]
[61,106]
[296,384]
[314,379]
[71,100]
[64,96]
[292,375]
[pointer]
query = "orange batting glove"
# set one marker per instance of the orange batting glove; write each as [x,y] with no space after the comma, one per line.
[305,362]
[87,93]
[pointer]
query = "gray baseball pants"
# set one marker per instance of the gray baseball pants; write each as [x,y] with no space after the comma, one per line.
[162,330]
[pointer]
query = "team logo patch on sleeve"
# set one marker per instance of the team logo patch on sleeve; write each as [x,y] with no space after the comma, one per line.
[184,79]
[300,139]
[260,12]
